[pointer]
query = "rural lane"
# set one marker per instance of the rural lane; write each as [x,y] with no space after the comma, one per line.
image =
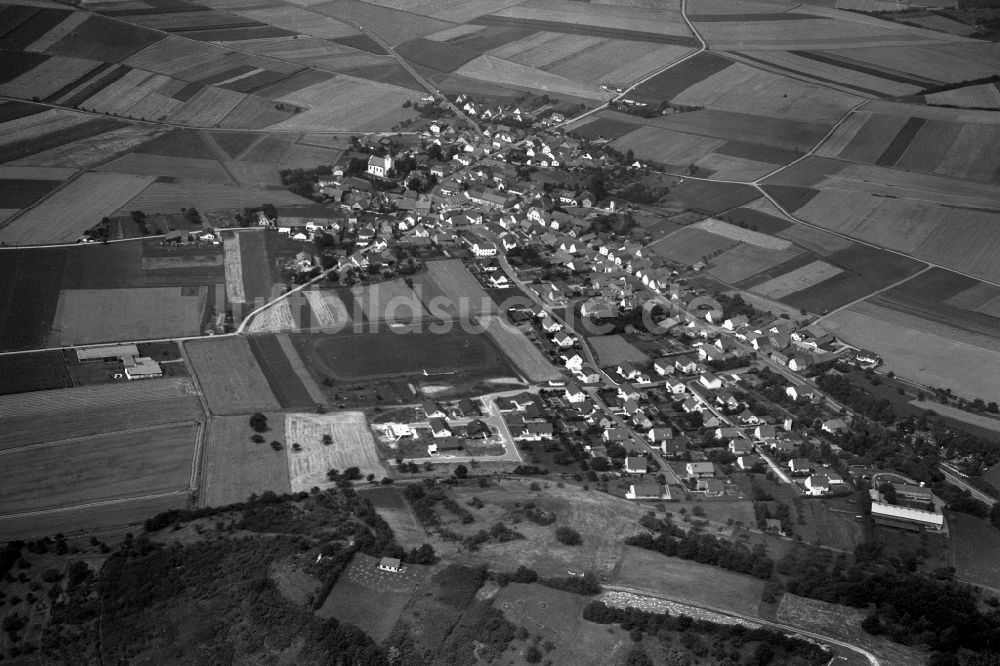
[872,659]
[954,478]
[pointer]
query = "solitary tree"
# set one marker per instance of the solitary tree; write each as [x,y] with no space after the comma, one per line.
[258,422]
[461,471]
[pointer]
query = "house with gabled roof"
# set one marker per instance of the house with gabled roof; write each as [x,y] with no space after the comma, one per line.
[647,489]
[636,465]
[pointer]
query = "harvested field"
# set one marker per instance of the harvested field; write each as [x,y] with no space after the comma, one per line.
[397,353]
[42,403]
[867,82]
[504,72]
[230,377]
[897,184]
[207,108]
[29,292]
[797,280]
[392,302]
[863,142]
[107,315]
[328,309]
[273,319]
[745,261]
[612,350]
[234,467]
[458,284]
[71,424]
[666,146]
[928,353]
[285,382]
[691,245]
[950,59]
[353,446]
[77,206]
[689,580]
[106,467]
[523,353]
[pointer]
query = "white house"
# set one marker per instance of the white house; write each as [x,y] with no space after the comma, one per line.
[379,166]
[817,484]
[574,393]
[573,362]
[563,339]
[710,381]
[483,248]
[391,564]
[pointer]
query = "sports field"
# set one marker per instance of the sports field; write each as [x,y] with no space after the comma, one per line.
[353,445]
[230,376]
[109,315]
[233,466]
[109,466]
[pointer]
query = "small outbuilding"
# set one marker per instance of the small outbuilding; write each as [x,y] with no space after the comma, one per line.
[391,564]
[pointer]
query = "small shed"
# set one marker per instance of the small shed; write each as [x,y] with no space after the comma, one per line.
[390,564]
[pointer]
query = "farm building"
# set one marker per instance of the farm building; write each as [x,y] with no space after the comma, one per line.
[390,564]
[141,367]
[905,517]
[105,353]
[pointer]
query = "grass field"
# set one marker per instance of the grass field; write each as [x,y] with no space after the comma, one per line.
[689,580]
[234,467]
[230,377]
[523,353]
[458,285]
[93,422]
[107,315]
[972,542]
[29,292]
[353,446]
[558,617]
[386,353]
[370,598]
[397,512]
[392,302]
[614,349]
[77,206]
[106,467]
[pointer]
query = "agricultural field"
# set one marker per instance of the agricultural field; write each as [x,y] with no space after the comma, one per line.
[286,384]
[746,260]
[234,467]
[230,377]
[797,279]
[390,302]
[982,96]
[691,245]
[275,318]
[36,371]
[72,209]
[327,308]
[117,514]
[106,467]
[507,73]
[523,353]
[106,315]
[392,353]
[558,617]
[353,445]
[370,598]
[343,103]
[29,291]
[611,350]
[658,24]
[923,351]
[41,403]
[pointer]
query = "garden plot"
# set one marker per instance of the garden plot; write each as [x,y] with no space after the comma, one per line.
[352,445]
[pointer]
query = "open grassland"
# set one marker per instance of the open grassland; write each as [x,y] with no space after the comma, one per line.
[399,514]
[611,350]
[230,377]
[29,293]
[507,73]
[923,351]
[106,315]
[234,467]
[327,308]
[456,283]
[96,397]
[801,278]
[972,542]
[521,351]
[91,422]
[77,206]
[558,618]
[391,301]
[370,598]
[353,445]
[691,245]
[396,353]
[117,513]
[684,579]
[106,467]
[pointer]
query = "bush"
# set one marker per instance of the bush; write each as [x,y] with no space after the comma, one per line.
[533,655]
[568,536]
